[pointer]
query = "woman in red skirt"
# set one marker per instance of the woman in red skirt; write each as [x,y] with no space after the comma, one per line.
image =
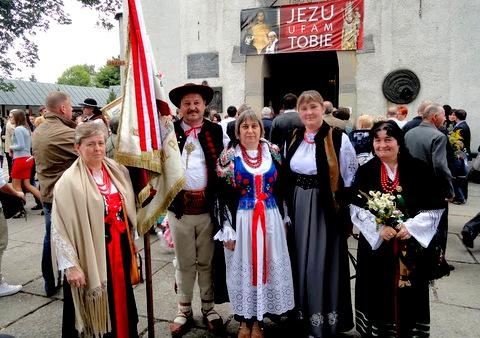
[20,152]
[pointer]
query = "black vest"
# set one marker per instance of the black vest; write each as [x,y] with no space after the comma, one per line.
[211,141]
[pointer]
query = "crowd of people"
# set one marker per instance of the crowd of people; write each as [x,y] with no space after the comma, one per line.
[262,220]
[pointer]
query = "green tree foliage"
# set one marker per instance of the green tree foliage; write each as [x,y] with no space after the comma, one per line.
[111,96]
[78,75]
[107,76]
[20,20]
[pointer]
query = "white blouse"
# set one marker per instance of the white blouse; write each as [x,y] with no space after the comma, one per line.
[303,161]
[194,162]
[422,227]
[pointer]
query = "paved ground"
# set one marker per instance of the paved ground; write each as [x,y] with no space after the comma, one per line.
[455,312]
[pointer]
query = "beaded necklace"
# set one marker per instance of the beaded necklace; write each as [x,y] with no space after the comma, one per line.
[253,162]
[388,185]
[106,184]
[309,137]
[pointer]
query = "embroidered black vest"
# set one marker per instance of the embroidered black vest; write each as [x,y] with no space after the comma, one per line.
[293,142]
[211,141]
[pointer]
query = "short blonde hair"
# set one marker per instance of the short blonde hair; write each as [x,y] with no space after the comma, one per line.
[309,95]
[55,99]
[365,121]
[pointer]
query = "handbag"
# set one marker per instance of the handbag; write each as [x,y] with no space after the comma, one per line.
[136,265]
[11,205]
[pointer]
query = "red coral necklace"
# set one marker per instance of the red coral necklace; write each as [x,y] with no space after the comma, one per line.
[388,186]
[253,162]
[106,186]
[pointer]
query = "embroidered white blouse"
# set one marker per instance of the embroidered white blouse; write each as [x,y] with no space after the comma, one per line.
[422,226]
[303,161]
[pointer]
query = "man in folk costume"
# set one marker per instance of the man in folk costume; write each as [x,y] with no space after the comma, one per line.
[200,142]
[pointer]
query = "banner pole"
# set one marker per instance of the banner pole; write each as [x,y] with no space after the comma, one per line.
[148,284]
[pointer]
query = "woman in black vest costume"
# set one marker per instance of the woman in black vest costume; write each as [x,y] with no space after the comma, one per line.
[320,163]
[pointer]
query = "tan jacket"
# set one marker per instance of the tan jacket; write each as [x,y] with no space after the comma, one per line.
[52,145]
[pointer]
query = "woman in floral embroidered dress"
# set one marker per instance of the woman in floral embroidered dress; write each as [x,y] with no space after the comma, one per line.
[259,277]
[320,164]
[391,294]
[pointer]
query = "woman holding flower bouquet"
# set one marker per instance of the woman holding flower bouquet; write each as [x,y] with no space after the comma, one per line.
[397,210]
[320,163]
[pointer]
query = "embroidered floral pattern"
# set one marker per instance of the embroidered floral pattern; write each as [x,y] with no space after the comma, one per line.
[226,166]
[332,318]
[318,319]
[275,151]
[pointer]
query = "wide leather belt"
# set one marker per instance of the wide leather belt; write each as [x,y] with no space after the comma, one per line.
[194,202]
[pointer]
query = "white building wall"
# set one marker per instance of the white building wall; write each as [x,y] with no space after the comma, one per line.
[439,40]
[440,45]
[179,28]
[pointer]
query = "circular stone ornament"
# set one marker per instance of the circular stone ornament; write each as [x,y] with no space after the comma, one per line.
[401,86]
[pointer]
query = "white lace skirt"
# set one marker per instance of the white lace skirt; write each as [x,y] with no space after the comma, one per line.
[276,296]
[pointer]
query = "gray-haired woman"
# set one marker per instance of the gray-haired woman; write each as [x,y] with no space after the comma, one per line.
[259,276]
[93,210]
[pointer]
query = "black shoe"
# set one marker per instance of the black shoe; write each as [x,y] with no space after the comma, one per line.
[37,207]
[54,291]
[19,214]
[42,213]
[457,202]
[467,238]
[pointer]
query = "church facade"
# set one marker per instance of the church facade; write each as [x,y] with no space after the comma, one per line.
[412,50]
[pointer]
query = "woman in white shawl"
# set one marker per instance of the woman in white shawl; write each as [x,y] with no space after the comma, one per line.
[92,207]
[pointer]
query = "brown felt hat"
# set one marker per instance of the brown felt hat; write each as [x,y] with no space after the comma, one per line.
[178,93]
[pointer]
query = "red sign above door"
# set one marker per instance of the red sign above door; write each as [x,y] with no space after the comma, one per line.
[326,25]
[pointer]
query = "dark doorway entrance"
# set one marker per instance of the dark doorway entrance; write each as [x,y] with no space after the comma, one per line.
[296,72]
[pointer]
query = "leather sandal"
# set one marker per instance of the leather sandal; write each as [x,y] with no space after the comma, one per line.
[257,331]
[243,331]
[213,321]
[181,324]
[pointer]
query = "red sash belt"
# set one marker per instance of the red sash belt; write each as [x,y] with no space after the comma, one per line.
[259,216]
[114,249]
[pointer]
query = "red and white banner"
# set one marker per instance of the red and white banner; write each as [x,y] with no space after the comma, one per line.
[308,27]
[146,141]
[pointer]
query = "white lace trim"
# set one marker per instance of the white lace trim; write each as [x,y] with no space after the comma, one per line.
[348,161]
[66,256]
[225,234]
[364,220]
[424,225]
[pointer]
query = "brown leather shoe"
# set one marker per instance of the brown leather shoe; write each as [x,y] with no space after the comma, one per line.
[257,331]
[243,331]
[181,324]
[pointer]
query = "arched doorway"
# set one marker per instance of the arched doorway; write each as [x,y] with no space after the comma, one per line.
[296,72]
